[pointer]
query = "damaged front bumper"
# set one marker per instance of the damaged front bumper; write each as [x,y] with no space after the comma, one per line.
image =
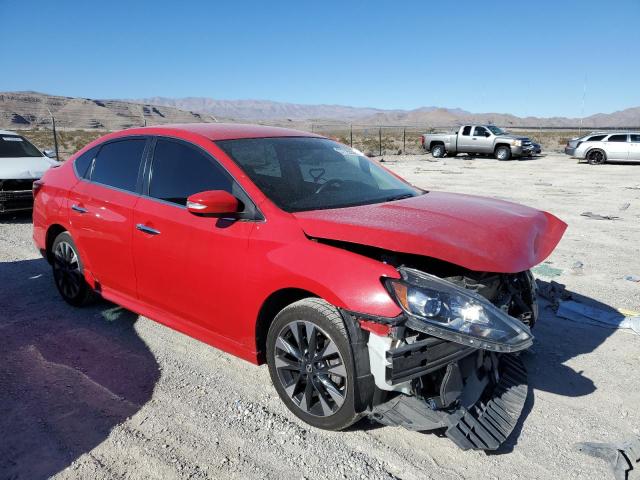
[478,405]
[427,380]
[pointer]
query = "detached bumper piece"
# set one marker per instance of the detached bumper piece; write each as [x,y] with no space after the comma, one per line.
[487,425]
[479,414]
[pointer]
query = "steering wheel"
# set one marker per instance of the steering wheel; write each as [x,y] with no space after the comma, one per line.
[335,182]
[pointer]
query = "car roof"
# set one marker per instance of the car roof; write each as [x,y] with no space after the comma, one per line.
[229,131]
[8,132]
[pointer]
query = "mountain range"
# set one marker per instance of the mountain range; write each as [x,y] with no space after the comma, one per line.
[31,109]
[264,110]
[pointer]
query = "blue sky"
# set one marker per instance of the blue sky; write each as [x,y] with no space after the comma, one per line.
[527,58]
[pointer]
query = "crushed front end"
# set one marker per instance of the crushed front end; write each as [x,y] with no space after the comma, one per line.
[451,360]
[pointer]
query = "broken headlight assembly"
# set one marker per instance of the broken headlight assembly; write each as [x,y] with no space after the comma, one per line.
[442,309]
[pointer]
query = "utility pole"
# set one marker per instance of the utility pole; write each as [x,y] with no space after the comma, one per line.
[351,135]
[380,139]
[55,135]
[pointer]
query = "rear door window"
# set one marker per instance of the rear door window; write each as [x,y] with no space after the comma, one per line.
[179,170]
[635,138]
[118,163]
[617,138]
[466,131]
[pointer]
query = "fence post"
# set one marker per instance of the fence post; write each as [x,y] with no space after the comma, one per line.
[380,139]
[404,140]
[55,135]
[351,135]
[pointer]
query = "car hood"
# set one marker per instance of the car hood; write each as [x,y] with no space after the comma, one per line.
[19,168]
[477,233]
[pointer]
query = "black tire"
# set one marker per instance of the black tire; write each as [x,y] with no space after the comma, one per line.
[596,157]
[297,377]
[438,151]
[68,272]
[502,153]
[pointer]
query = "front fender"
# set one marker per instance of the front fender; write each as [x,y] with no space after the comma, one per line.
[342,278]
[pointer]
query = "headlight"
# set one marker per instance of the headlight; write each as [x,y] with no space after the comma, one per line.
[517,143]
[442,309]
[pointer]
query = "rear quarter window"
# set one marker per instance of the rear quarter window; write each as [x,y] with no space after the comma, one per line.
[595,138]
[82,164]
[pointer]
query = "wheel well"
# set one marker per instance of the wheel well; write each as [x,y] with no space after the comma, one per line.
[502,145]
[434,143]
[591,150]
[53,231]
[270,308]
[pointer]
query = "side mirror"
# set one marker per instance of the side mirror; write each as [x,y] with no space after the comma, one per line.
[216,203]
[50,153]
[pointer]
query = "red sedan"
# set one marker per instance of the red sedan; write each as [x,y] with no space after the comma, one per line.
[365,295]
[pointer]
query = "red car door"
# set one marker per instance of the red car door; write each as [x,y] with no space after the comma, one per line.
[101,214]
[189,267]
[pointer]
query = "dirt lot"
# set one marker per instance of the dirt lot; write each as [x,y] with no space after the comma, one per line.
[100,393]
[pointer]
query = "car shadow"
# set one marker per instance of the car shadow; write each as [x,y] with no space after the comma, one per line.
[558,340]
[16,217]
[68,375]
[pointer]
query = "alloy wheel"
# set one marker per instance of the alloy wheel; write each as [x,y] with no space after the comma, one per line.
[596,157]
[310,368]
[66,270]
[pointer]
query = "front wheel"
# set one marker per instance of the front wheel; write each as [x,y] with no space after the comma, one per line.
[311,364]
[503,153]
[68,272]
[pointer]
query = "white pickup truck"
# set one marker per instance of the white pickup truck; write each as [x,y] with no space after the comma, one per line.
[481,139]
[20,165]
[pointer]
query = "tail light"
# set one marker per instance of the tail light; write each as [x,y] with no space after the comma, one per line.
[37,185]
[422,140]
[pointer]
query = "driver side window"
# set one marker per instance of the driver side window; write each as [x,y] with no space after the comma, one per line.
[179,171]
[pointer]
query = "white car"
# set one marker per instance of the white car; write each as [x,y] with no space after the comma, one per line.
[21,164]
[600,147]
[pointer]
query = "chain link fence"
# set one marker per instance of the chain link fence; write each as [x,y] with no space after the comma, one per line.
[378,140]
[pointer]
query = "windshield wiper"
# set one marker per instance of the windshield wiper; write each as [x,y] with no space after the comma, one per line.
[399,197]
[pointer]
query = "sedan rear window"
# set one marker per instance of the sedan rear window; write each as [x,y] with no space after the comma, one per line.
[17,146]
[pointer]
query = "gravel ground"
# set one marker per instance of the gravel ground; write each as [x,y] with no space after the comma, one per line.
[101,393]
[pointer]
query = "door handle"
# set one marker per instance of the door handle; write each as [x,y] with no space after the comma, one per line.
[79,209]
[149,230]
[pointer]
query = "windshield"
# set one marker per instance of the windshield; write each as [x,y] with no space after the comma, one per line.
[495,130]
[17,146]
[299,173]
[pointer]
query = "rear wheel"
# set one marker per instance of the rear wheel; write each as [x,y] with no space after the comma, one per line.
[503,153]
[311,364]
[596,157]
[438,151]
[68,272]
